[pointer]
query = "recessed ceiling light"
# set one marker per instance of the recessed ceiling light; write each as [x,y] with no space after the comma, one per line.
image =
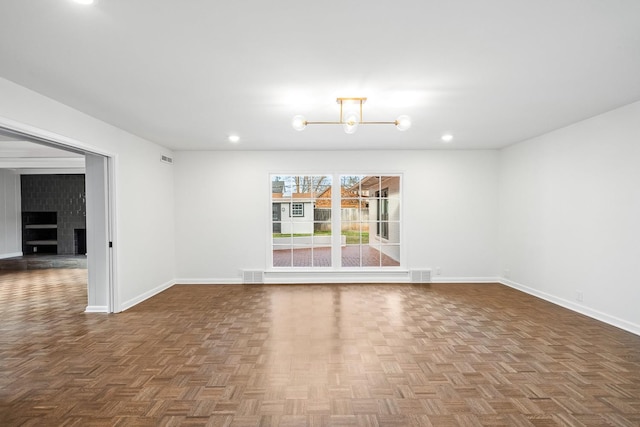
[447,137]
[234,138]
[84,1]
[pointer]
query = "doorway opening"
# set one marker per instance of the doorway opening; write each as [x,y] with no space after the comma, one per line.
[43,229]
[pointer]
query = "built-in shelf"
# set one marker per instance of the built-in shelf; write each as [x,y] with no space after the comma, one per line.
[41,242]
[40,232]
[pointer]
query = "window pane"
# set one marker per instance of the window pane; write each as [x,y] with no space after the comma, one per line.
[277,185]
[321,256]
[370,256]
[351,256]
[321,187]
[350,184]
[355,233]
[392,183]
[303,211]
[390,255]
[302,257]
[281,238]
[311,185]
[350,210]
[322,234]
[302,241]
[288,186]
[282,256]
[394,210]
[322,214]
[393,229]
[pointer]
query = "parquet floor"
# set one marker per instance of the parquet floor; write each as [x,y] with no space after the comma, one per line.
[43,261]
[316,355]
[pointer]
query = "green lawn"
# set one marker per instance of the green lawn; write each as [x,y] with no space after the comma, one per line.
[353,237]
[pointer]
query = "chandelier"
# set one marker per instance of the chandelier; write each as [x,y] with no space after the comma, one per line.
[351,117]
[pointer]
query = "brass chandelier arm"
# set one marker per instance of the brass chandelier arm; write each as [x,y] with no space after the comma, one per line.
[395,122]
[307,122]
[322,123]
[353,119]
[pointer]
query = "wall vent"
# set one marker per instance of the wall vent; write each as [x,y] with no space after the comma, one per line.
[420,276]
[252,276]
[166,159]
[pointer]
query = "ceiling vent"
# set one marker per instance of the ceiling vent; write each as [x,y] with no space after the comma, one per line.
[166,159]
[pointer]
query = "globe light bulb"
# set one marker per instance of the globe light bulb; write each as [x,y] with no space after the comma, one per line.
[403,123]
[299,123]
[350,123]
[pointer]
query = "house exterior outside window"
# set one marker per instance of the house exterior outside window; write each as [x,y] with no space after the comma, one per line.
[308,209]
[297,209]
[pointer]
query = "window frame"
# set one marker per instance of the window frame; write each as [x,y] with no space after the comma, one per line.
[382,203]
[397,246]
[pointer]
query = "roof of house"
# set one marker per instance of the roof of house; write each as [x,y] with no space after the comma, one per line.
[277,187]
[349,198]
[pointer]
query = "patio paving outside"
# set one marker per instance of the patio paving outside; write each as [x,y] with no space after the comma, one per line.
[351,257]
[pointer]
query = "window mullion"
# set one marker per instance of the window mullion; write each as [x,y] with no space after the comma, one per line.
[336,223]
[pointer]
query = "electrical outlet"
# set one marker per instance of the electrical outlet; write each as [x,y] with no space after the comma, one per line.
[438,271]
[505,274]
[579,296]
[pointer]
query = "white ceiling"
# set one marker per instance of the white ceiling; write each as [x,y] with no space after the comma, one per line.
[24,155]
[186,74]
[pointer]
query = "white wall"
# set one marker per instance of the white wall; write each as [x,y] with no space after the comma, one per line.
[10,216]
[144,188]
[223,212]
[570,216]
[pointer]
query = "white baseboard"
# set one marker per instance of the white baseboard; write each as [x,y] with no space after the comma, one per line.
[96,309]
[232,281]
[443,279]
[11,255]
[303,277]
[300,277]
[137,300]
[579,308]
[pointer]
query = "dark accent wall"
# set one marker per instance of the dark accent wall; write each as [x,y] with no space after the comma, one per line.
[63,194]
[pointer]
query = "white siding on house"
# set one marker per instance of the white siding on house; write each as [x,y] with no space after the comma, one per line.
[297,224]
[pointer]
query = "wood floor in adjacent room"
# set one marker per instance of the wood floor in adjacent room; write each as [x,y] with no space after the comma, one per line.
[317,355]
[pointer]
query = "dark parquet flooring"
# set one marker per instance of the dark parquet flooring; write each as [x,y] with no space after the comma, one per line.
[43,261]
[316,355]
